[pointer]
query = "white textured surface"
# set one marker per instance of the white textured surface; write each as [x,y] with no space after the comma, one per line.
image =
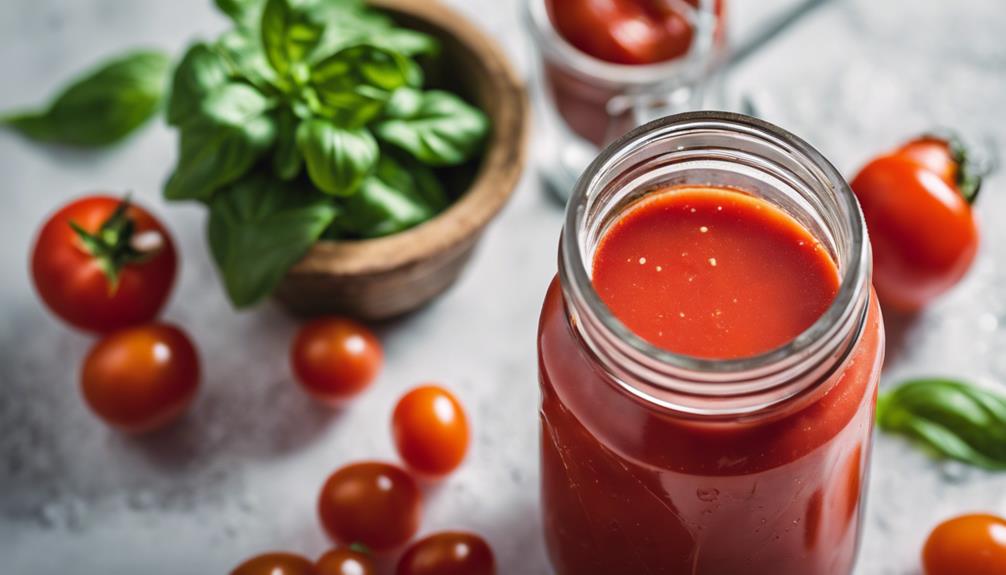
[240,474]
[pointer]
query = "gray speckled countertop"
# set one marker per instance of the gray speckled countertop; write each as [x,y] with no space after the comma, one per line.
[241,473]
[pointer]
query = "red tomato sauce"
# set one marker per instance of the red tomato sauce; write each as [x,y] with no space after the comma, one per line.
[629,487]
[713,273]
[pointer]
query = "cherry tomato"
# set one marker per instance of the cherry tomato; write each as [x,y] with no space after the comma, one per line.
[345,561]
[922,229]
[141,378]
[622,31]
[430,430]
[377,505]
[970,544]
[335,358]
[448,553]
[114,270]
[275,564]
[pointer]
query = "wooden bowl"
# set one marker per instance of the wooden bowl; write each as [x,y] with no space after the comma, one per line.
[384,277]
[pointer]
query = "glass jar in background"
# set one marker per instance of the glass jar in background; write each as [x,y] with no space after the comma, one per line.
[586,102]
[655,462]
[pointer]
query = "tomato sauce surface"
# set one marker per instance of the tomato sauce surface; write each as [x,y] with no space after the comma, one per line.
[713,273]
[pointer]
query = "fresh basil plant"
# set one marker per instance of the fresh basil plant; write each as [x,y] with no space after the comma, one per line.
[318,100]
[952,418]
[307,120]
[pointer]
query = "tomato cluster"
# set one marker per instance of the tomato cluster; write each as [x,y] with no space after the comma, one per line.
[107,266]
[374,507]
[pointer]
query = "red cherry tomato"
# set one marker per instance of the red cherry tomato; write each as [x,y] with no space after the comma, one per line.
[275,564]
[922,229]
[345,561]
[335,358]
[376,505]
[622,31]
[141,378]
[448,553]
[430,430]
[73,270]
[970,544]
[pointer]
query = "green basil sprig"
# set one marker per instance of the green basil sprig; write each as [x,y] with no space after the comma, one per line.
[952,418]
[103,106]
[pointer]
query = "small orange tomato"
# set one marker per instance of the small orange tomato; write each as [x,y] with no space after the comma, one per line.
[141,378]
[377,505]
[430,430]
[335,358]
[969,544]
[345,561]
[448,553]
[275,564]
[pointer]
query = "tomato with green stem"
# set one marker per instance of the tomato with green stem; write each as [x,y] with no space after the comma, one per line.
[377,505]
[141,378]
[430,430]
[346,561]
[276,564]
[917,205]
[971,544]
[101,264]
[335,359]
[448,553]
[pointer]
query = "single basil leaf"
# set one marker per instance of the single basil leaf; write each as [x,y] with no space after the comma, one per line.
[244,13]
[952,418]
[396,197]
[406,42]
[222,142]
[291,30]
[258,228]
[103,106]
[243,52]
[338,159]
[287,159]
[348,23]
[442,131]
[354,83]
[201,71]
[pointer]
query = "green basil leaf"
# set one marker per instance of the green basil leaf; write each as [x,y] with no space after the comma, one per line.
[354,83]
[258,228]
[244,13]
[406,42]
[442,131]
[953,418]
[291,30]
[348,23]
[101,107]
[222,142]
[338,159]
[287,159]
[201,71]
[396,197]
[243,52]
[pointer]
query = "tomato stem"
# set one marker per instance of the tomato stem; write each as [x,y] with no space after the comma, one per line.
[113,246]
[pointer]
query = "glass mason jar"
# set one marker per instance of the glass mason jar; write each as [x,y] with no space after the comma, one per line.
[659,463]
[587,102]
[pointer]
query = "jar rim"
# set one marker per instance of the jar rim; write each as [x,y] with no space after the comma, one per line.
[751,374]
